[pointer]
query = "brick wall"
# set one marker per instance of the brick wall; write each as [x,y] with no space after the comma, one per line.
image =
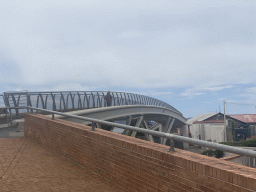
[138,165]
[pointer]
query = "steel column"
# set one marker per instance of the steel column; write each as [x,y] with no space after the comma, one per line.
[169,125]
[137,125]
[128,122]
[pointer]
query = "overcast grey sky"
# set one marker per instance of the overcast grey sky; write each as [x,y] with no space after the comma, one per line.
[190,54]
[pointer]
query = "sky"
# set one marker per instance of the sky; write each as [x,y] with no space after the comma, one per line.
[189,54]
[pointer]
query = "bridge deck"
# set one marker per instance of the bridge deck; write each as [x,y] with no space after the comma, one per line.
[27,166]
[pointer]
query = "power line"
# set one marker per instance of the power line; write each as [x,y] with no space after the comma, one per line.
[242,104]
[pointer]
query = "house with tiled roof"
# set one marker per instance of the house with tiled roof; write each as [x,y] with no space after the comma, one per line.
[246,118]
[248,129]
[211,127]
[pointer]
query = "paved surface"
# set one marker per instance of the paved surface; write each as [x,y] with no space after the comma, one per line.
[27,166]
[4,132]
[196,149]
[11,132]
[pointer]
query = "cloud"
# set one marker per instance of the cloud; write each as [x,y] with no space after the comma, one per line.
[157,93]
[71,87]
[191,94]
[251,90]
[219,88]
[196,90]
[248,95]
[134,45]
[129,35]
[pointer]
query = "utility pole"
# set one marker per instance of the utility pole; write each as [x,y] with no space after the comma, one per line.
[225,130]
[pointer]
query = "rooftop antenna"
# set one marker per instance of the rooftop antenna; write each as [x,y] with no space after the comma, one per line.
[225,130]
[219,110]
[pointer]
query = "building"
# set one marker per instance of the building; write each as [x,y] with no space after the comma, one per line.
[247,128]
[210,127]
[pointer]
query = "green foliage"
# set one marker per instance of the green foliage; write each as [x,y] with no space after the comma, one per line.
[227,143]
[233,129]
[140,134]
[218,153]
[208,152]
[234,135]
[215,153]
[248,143]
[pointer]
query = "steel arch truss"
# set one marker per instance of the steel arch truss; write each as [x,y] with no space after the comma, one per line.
[76,100]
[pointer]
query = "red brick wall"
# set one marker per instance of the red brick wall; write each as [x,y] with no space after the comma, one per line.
[138,165]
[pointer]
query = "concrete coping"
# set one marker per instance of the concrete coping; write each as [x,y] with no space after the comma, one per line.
[18,121]
[229,158]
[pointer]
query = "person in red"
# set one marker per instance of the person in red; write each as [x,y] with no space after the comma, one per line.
[108,98]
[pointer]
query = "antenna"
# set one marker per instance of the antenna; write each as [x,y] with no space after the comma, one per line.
[225,130]
[219,110]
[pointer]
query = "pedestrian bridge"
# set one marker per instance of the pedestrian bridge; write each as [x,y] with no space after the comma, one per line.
[77,100]
[136,110]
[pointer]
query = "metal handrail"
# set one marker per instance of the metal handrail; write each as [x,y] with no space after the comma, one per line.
[243,152]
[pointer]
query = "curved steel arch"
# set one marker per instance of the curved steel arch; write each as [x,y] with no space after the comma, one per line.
[92,99]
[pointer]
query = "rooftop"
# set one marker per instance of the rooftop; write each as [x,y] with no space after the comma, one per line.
[200,117]
[246,118]
[209,121]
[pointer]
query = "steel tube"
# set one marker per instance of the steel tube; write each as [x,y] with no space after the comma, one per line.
[243,152]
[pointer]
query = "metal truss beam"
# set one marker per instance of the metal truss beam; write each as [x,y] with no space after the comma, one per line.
[149,137]
[169,129]
[128,122]
[139,120]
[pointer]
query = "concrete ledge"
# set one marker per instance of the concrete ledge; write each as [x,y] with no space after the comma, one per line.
[229,158]
[18,121]
[16,134]
[4,125]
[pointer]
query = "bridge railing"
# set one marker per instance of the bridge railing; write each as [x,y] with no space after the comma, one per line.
[1,101]
[2,106]
[172,137]
[76,100]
